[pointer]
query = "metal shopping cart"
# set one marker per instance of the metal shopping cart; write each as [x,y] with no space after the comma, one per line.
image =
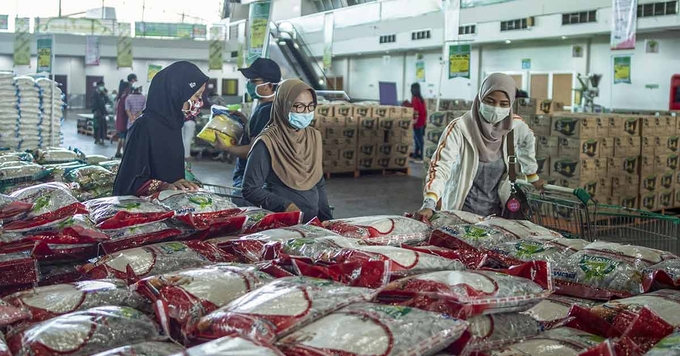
[224,191]
[575,214]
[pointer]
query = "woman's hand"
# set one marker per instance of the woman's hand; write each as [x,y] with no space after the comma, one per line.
[184,184]
[539,184]
[424,214]
[221,145]
[292,208]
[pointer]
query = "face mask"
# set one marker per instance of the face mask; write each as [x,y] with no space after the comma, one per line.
[194,108]
[251,88]
[300,120]
[493,114]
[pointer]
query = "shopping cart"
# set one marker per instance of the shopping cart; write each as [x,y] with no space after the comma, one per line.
[575,214]
[227,192]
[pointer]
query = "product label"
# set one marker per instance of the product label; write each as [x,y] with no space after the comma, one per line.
[597,267]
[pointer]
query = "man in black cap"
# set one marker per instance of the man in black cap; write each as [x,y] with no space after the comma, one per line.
[99,101]
[263,76]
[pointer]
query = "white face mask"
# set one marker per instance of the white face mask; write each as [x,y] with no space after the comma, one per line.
[493,114]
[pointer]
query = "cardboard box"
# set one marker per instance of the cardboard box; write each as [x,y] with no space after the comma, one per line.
[339,142]
[349,153]
[667,124]
[548,106]
[625,184]
[547,146]
[628,201]
[325,110]
[666,199]
[438,119]
[340,166]
[540,124]
[343,111]
[524,106]
[649,201]
[543,165]
[382,111]
[667,162]
[577,168]
[647,165]
[623,166]
[332,121]
[677,197]
[367,150]
[367,163]
[434,134]
[398,112]
[403,123]
[579,148]
[454,104]
[352,121]
[606,147]
[362,110]
[572,126]
[383,162]
[627,146]
[649,182]
[400,136]
[331,153]
[332,131]
[649,126]
[598,186]
[648,145]
[399,162]
[370,137]
[368,123]
[621,126]
[672,144]
[400,150]
[385,150]
[677,180]
[386,123]
[430,150]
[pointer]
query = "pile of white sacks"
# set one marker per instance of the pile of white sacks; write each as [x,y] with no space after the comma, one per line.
[26,108]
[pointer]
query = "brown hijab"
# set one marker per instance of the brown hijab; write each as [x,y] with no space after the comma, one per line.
[296,155]
[486,137]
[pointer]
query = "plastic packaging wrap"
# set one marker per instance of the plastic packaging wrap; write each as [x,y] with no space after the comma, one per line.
[18,268]
[665,274]
[149,348]
[562,341]
[84,332]
[111,165]
[555,250]
[4,349]
[51,202]
[96,159]
[200,210]
[406,262]
[664,303]
[156,259]
[19,169]
[47,302]
[521,229]
[223,125]
[469,293]
[490,332]
[668,346]
[120,212]
[16,156]
[555,308]
[72,230]
[91,177]
[134,236]
[278,308]
[55,155]
[261,219]
[381,230]
[374,329]
[10,206]
[233,345]
[10,314]
[453,217]
[187,295]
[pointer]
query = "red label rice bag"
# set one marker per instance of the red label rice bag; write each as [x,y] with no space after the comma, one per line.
[668,346]
[453,217]
[469,293]
[278,308]
[148,348]
[374,329]
[155,259]
[407,262]
[84,332]
[119,212]
[521,229]
[665,274]
[129,237]
[261,219]
[665,303]
[233,345]
[197,209]
[47,302]
[555,308]
[46,252]
[10,314]
[18,268]
[469,237]
[10,206]
[490,332]
[562,341]
[50,201]
[4,350]
[381,230]
[553,250]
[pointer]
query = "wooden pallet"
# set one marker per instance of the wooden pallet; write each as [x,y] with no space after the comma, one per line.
[359,172]
[87,132]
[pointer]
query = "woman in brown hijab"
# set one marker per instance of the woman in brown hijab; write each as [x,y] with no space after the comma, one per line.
[284,171]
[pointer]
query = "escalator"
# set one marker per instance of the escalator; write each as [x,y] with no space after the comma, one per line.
[287,48]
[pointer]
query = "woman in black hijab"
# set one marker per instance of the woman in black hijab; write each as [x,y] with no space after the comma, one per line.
[154,153]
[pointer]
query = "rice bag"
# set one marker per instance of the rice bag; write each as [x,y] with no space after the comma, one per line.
[55,155]
[77,229]
[148,348]
[185,296]
[222,124]
[10,206]
[51,201]
[278,308]
[490,332]
[604,270]
[156,259]
[198,209]
[19,169]
[10,314]
[453,217]
[47,302]
[120,212]
[84,332]
[374,329]
[16,156]
[233,345]
[407,262]
[555,250]
[48,252]
[261,219]
[90,177]
[4,350]
[668,346]
[555,308]
[469,237]
[111,165]
[470,293]
[664,274]
[134,236]
[381,230]
[96,159]
[521,229]
[664,303]
[562,341]
[18,268]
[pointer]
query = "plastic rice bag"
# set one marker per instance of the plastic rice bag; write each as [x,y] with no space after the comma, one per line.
[406,262]
[381,230]
[10,206]
[77,229]
[111,165]
[555,308]
[18,268]
[374,329]
[490,332]
[469,237]
[16,156]
[95,159]
[90,177]
[55,155]
[4,349]
[261,219]
[47,302]
[156,259]
[187,295]
[48,252]
[10,314]
[134,236]
[469,293]
[665,274]
[148,348]
[279,308]
[197,209]
[120,212]
[553,250]
[562,341]
[604,270]
[233,345]
[84,332]
[668,346]
[223,125]
[51,202]
[664,303]
[19,169]
[522,229]
[454,217]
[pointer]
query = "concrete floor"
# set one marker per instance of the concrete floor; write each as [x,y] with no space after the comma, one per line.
[367,195]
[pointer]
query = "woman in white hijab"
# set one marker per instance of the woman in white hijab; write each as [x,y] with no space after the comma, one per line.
[469,169]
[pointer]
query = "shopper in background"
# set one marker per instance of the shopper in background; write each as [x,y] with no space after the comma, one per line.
[100,99]
[189,130]
[419,121]
[124,89]
[469,169]
[134,104]
[263,77]
[284,170]
[154,158]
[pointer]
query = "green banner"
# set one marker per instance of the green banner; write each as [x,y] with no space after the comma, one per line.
[258,22]
[45,53]
[4,22]
[215,60]
[328,29]
[124,46]
[459,61]
[170,30]
[22,42]
[622,70]
[152,70]
[75,26]
[420,68]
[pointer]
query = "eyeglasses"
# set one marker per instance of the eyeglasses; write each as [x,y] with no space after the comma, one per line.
[301,108]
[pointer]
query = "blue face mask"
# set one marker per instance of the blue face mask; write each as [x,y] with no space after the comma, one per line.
[300,120]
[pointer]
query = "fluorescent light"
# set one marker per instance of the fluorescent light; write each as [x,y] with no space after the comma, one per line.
[564,37]
[508,41]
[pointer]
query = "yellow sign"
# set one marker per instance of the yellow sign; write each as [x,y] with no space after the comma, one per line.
[459,61]
[153,69]
[622,70]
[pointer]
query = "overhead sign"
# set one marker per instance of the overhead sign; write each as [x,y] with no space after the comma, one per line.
[328,29]
[217,37]
[622,66]
[152,70]
[459,61]
[420,68]
[75,26]
[258,25]
[526,63]
[624,24]
[22,42]
[92,51]
[45,48]
[170,30]
[124,46]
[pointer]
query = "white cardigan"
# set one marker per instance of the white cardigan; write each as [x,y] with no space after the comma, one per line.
[454,164]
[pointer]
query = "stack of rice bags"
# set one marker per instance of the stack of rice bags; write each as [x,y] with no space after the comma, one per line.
[29,124]
[52,105]
[9,110]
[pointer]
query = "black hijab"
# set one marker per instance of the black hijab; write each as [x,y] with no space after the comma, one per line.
[154,148]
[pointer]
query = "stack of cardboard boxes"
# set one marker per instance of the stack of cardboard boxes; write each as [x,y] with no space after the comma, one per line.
[436,124]
[361,137]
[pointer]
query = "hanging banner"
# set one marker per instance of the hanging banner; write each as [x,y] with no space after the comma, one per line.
[217,37]
[451,10]
[622,70]
[124,46]
[459,61]
[92,51]
[420,69]
[45,53]
[75,26]
[170,30]
[22,42]
[4,22]
[258,26]
[152,70]
[328,28]
[624,24]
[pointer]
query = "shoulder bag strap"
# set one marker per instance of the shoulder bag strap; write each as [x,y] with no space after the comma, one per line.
[512,159]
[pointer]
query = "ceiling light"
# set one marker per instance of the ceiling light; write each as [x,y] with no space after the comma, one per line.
[508,41]
[282,43]
[564,37]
